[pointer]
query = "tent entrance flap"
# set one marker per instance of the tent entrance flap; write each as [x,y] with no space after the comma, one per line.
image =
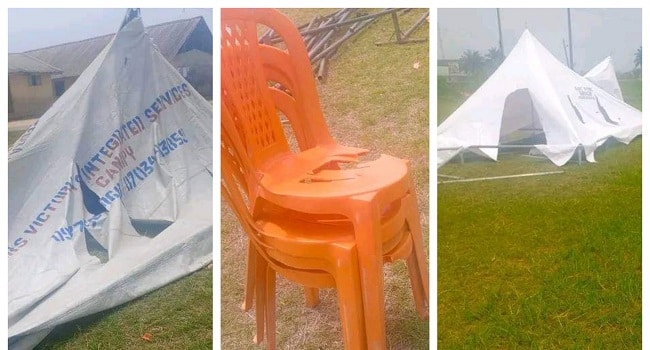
[520,121]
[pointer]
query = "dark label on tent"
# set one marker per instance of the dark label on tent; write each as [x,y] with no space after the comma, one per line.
[584,93]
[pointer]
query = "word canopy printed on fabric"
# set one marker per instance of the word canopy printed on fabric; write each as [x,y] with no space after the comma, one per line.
[105,162]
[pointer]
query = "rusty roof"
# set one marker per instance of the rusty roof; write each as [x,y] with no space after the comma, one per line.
[73,57]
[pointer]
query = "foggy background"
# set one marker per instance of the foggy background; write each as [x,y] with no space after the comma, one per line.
[597,33]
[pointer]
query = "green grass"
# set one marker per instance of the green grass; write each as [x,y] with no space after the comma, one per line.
[544,262]
[178,316]
[373,98]
[632,92]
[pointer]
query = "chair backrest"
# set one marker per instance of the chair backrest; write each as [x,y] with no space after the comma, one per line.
[238,184]
[237,177]
[250,71]
[244,92]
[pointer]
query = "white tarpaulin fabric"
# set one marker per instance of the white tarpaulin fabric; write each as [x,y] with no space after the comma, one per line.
[110,193]
[532,90]
[604,75]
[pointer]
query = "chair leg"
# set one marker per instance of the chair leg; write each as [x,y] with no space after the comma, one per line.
[249,286]
[371,273]
[311,297]
[350,301]
[260,295]
[417,260]
[270,308]
[417,286]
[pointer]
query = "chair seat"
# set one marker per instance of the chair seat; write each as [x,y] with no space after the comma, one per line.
[303,182]
[297,246]
[291,230]
[287,231]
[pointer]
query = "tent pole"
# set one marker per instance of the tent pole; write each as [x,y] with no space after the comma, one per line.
[450,176]
[398,32]
[580,155]
[500,177]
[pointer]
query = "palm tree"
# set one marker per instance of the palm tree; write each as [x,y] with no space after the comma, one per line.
[494,58]
[471,62]
[637,58]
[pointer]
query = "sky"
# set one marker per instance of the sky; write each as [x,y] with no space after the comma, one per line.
[597,33]
[37,28]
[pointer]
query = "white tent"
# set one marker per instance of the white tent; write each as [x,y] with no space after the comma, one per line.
[110,193]
[604,75]
[533,91]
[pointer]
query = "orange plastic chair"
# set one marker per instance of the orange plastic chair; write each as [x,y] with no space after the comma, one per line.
[369,212]
[297,98]
[323,248]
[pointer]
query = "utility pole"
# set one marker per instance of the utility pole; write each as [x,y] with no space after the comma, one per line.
[500,35]
[568,12]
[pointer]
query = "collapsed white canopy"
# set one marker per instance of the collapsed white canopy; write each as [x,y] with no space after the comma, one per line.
[604,75]
[110,193]
[532,90]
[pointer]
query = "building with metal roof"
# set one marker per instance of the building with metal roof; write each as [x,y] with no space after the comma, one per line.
[30,85]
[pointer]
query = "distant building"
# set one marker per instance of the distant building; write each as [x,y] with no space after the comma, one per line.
[186,44]
[450,69]
[30,85]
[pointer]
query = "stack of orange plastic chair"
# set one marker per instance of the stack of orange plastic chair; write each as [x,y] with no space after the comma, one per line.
[307,218]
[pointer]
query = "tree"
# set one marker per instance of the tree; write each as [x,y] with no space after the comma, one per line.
[494,58]
[471,62]
[637,58]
